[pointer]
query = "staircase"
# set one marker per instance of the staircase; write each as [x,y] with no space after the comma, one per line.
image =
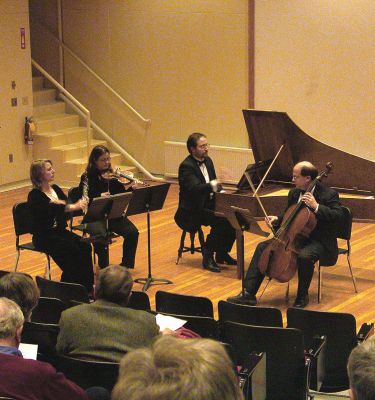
[60,137]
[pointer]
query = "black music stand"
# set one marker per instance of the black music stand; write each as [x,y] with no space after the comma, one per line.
[147,199]
[242,221]
[107,208]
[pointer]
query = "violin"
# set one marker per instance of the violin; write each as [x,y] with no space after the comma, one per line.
[118,174]
[279,258]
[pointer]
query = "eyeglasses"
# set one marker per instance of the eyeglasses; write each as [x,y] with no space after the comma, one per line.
[204,146]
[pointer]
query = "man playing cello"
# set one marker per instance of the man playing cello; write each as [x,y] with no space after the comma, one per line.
[320,245]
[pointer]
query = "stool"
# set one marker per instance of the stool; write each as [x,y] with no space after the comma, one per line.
[191,248]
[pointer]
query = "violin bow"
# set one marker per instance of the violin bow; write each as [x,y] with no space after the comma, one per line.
[255,191]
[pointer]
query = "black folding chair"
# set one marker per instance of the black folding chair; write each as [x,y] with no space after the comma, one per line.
[87,373]
[139,301]
[167,302]
[262,316]
[344,231]
[44,335]
[287,369]
[63,291]
[48,310]
[23,220]
[340,331]
[206,327]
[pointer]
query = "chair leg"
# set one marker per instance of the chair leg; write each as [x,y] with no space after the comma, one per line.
[47,273]
[287,293]
[351,272]
[320,276]
[192,246]
[201,239]
[180,249]
[17,259]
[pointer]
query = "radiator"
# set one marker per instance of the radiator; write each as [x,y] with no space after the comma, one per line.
[230,162]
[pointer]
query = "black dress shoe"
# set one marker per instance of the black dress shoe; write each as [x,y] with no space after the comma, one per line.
[225,258]
[301,302]
[209,263]
[244,298]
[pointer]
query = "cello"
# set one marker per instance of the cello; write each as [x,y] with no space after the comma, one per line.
[279,258]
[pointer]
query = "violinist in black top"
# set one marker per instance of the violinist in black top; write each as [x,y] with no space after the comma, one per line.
[49,209]
[320,245]
[95,184]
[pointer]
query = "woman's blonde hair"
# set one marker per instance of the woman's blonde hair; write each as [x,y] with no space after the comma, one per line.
[36,170]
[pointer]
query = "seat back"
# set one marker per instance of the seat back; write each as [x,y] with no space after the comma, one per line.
[139,301]
[261,316]
[206,327]
[285,360]
[344,228]
[340,330]
[48,310]
[87,373]
[22,218]
[44,335]
[183,304]
[62,290]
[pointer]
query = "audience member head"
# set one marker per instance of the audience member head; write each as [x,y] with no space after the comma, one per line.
[22,290]
[114,284]
[11,323]
[361,371]
[37,169]
[192,140]
[173,369]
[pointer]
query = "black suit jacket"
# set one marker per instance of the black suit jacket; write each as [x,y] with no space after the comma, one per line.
[195,193]
[329,215]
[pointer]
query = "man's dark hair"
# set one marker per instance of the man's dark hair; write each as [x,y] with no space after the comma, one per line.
[114,284]
[193,140]
[311,171]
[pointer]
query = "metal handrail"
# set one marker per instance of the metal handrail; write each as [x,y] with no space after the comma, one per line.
[83,110]
[114,143]
[146,121]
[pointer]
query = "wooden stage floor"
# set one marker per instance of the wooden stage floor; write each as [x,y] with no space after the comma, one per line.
[190,278]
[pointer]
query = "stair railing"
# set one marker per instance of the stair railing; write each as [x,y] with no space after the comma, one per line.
[83,110]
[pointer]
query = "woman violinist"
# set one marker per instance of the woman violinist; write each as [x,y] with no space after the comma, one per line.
[96,181]
[50,209]
[321,243]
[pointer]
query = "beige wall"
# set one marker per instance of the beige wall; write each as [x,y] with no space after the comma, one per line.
[183,64]
[15,66]
[314,59]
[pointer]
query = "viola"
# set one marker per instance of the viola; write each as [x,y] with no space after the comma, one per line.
[279,258]
[118,174]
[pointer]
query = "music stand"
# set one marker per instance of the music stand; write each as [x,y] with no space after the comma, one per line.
[147,199]
[242,221]
[107,208]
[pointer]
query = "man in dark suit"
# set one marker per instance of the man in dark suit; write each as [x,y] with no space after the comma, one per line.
[198,183]
[320,245]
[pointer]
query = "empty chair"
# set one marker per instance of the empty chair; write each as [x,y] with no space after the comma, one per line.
[44,335]
[183,304]
[87,373]
[22,219]
[139,301]
[263,316]
[340,330]
[287,373]
[48,310]
[62,290]
[206,327]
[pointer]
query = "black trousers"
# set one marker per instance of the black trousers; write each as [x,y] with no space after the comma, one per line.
[71,254]
[222,235]
[123,227]
[307,257]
